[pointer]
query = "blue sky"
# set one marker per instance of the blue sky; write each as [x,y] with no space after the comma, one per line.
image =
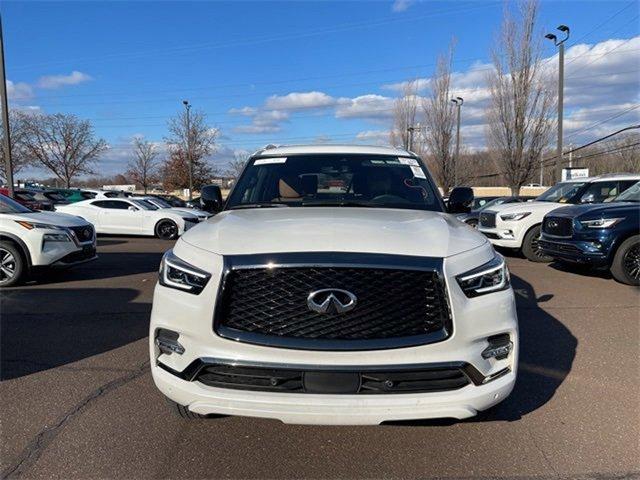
[289,72]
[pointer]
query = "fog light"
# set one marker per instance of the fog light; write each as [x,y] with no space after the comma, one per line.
[167,342]
[592,246]
[500,347]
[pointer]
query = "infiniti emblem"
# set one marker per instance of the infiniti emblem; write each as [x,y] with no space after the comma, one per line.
[553,224]
[331,300]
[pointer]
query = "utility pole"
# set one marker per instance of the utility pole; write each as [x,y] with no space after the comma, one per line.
[8,167]
[560,44]
[570,155]
[187,107]
[541,169]
[458,101]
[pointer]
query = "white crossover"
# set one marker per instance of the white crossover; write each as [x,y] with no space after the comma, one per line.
[334,288]
[131,217]
[30,240]
[163,204]
[518,226]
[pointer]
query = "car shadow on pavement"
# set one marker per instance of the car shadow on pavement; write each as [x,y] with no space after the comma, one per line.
[577,269]
[107,265]
[547,351]
[68,325]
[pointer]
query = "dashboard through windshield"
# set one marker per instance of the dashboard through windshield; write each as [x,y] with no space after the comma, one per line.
[378,181]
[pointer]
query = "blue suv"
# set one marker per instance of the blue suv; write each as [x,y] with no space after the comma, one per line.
[604,235]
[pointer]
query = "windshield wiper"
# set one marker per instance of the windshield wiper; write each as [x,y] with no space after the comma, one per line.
[258,205]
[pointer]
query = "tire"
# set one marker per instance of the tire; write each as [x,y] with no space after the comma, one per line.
[625,267]
[12,264]
[183,412]
[166,230]
[530,247]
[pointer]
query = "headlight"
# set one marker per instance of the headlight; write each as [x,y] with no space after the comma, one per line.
[601,222]
[32,225]
[515,216]
[176,273]
[493,276]
[56,237]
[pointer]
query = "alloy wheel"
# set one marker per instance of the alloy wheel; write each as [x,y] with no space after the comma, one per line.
[167,230]
[7,266]
[631,262]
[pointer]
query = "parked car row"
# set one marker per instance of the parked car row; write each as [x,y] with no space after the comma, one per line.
[33,236]
[601,228]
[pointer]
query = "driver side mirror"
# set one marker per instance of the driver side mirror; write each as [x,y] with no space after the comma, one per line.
[211,198]
[460,200]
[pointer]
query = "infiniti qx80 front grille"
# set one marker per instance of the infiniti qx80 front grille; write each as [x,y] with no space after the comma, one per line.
[393,306]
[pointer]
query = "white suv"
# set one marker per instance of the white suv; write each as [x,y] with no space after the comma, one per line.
[518,226]
[333,288]
[29,240]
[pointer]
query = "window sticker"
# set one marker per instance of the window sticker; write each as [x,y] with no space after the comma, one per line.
[417,172]
[269,161]
[409,161]
[378,162]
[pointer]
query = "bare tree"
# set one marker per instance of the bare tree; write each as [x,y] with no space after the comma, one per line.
[439,123]
[201,139]
[143,168]
[235,167]
[19,157]
[518,116]
[63,144]
[405,109]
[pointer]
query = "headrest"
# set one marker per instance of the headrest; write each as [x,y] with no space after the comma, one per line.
[309,184]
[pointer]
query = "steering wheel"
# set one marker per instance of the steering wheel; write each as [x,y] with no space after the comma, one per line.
[388,198]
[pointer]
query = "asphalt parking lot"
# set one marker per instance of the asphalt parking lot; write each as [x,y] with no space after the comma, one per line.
[78,400]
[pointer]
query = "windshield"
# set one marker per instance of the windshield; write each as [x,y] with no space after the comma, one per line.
[561,192]
[161,203]
[8,205]
[145,205]
[491,203]
[631,194]
[55,196]
[378,181]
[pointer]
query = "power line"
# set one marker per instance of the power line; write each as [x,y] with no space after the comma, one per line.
[269,38]
[594,29]
[613,117]
[606,152]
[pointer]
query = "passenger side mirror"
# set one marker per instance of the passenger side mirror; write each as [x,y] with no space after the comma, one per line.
[460,200]
[211,198]
[132,208]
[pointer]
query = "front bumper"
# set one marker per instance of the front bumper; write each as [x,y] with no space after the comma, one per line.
[575,251]
[474,320]
[501,237]
[333,409]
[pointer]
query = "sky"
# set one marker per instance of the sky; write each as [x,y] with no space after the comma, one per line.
[297,72]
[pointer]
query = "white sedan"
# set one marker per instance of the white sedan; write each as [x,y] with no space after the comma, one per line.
[131,217]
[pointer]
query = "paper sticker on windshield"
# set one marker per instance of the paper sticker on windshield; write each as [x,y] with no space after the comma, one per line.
[417,172]
[408,161]
[269,161]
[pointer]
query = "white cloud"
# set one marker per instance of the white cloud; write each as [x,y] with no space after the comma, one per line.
[401,5]
[57,81]
[369,106]
[299,100]
[19,91]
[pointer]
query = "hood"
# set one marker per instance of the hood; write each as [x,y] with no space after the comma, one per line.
[179,213]
[541,207]
[334,229]
[54,218]
[597,209]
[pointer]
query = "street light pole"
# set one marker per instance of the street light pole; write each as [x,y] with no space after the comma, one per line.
[410,130]
[458,101]
[187,107]
[560,44]
[8,167]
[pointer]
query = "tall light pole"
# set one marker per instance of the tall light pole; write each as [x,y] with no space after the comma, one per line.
[560,44]
[411,129]
[8,168]
[458,101]
[187,107]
